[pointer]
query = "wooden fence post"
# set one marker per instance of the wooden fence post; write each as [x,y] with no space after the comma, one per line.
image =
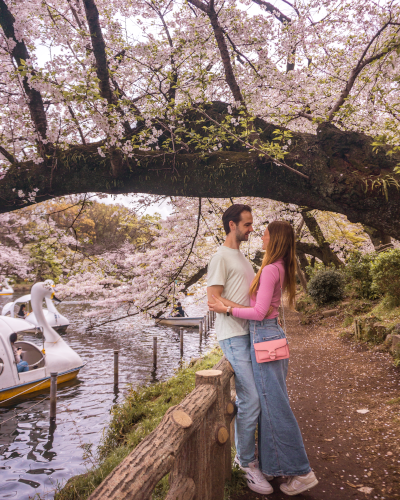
[192,443]
[181,340]
[116,368]
[53,397]
[155,352]
[206,457]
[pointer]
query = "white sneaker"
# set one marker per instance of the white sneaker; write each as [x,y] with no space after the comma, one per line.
[298,484]
[255,478]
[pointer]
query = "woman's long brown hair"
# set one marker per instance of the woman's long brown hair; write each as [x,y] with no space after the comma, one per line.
[282,245]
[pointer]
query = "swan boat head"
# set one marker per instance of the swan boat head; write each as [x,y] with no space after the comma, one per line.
[7,289]
[58,353]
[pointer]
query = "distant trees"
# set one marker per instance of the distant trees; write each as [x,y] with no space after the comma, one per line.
[100,227]
[55,238]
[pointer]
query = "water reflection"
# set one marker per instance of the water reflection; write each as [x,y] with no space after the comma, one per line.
[34,456]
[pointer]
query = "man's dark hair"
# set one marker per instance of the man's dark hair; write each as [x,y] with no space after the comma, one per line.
[234,214]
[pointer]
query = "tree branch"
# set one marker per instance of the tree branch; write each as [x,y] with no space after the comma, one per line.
[223,49]
[21,55]
[7,155]
[253,146]
[99,50]
[172,86]
[338,164]
[283,18]
[328,255]
[361,64]
[240,53]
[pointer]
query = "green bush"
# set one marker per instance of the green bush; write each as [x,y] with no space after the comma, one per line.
[318,267]
[359,276]
[326,286]
[385,272]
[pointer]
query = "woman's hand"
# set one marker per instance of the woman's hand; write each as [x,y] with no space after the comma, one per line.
[217,306]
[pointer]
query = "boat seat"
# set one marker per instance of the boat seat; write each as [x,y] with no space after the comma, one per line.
[32,375]
[31,354]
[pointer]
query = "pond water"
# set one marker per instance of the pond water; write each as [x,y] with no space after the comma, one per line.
[34,459]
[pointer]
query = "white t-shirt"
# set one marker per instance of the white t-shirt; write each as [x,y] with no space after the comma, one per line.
[230,268]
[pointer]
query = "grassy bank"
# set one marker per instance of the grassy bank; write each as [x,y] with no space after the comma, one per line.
[378,320]
[130,423]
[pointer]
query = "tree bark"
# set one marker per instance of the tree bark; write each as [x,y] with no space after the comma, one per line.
[339,164]
[99,49]
[377,237]
[303,261]
[20,55]
[328,255]
[301,275]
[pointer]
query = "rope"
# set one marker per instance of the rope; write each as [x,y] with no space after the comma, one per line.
[65,406]
[19,394]
[26,409]
[35,364]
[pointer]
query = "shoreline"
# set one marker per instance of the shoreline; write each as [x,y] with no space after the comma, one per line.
[131,421]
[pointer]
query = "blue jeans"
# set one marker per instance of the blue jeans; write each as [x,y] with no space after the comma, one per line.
[281,450]
[237,352]
[22,366]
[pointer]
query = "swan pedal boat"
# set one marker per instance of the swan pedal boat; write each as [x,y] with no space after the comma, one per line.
[56,355]
[179,321]
[56,320]
[7,289]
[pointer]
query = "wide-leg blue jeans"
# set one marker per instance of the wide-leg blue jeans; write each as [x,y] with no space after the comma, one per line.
[281,450]
[237,352]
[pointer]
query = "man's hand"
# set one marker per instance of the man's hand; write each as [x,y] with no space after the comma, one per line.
[217,306]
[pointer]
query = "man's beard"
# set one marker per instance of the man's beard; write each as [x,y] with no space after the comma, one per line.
[242,236]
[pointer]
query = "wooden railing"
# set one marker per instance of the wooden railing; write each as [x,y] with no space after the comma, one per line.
[192,443]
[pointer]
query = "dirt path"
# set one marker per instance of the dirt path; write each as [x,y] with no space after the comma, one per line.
[330,378]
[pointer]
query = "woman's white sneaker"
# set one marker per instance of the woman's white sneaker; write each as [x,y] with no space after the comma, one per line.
[255,478]
[299,484]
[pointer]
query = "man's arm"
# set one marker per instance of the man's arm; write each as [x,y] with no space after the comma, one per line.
[216,291]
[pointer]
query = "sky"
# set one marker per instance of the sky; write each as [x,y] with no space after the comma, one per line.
[130,201]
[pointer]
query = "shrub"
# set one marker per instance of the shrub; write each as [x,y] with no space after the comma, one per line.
[359,276]
[348,320]
[318,267]
[385,272]
[326,286]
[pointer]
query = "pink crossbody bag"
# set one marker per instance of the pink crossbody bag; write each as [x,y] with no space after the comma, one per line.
[273,350]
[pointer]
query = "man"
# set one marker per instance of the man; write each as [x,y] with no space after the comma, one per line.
[178,311]
[22,366]
[229,276]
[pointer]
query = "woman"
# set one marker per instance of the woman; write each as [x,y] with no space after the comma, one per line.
[280,445]
[22,311]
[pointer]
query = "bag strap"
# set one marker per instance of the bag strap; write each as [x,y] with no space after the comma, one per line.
[283,309]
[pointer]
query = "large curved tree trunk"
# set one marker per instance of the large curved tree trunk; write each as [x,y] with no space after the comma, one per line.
[340,166]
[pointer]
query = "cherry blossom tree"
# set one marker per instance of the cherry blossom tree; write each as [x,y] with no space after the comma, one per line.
[296,102]
[127,281]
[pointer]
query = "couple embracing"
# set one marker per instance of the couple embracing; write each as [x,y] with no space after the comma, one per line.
[247,315]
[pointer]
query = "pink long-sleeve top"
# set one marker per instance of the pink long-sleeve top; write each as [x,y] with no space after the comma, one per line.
[269,293]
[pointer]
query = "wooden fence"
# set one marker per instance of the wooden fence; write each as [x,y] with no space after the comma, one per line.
[192,443]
